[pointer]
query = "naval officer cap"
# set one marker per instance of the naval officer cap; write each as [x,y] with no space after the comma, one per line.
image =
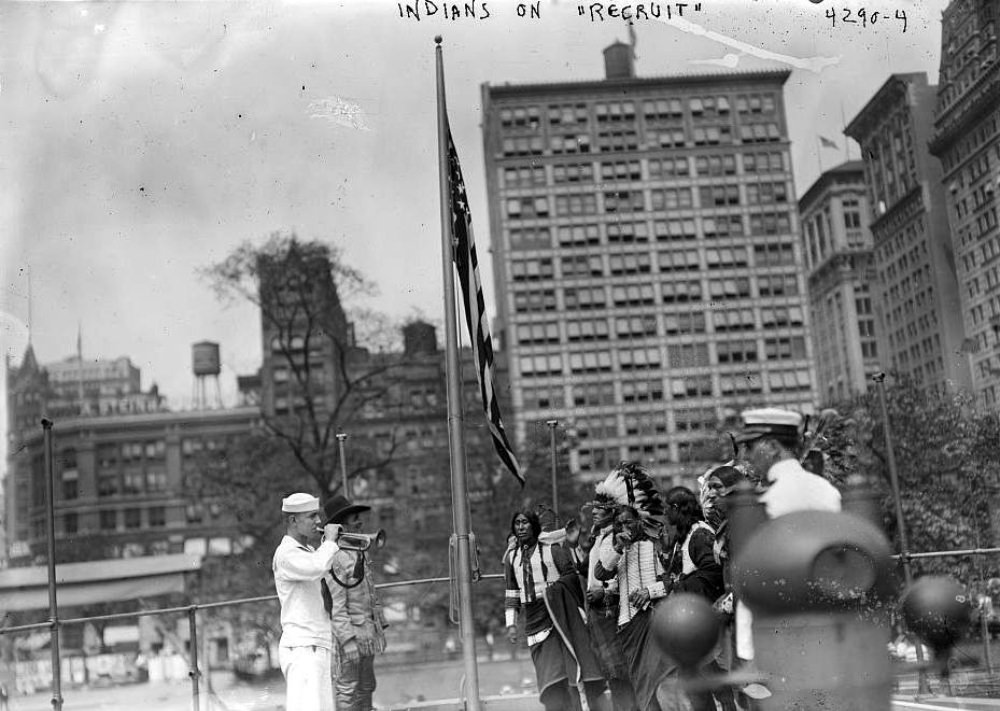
[769,422]
[300,503]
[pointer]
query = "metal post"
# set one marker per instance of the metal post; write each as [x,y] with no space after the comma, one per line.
[985,632]
[456,435]
[50,491]
[343,462]
[555,479]
[193,671]
[904,546]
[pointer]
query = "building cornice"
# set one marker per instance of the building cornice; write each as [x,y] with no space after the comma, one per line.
[613,86]
[975,103]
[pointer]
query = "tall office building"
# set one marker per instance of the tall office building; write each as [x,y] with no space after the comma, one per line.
[917,307]
[838,250]
[967,140]
[304,331]
[647,263]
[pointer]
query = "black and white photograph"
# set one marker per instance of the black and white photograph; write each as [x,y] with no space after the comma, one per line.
[500,356]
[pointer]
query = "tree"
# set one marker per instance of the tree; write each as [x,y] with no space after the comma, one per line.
[945,452]
[315,379]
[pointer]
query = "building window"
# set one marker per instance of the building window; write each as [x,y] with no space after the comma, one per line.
[766,193]
[527,208]
[529,238]
[591,362]
[70,484]
[681,291]
[769,162]
[639,358]
[582,266]
[642,390]
[627,232]
[635,326]
[133,482]
[585,298]
[779,285]
[671,230]
[680,260]
[577,204]
[785,348]
[573,173]
[534,366]
[668,168]
[531,301]
[107,484]
[688,355]
[523,176]
[157,516]
[586,394]
[621,171]
[630,263]
[774,254]
[624,201]
[733,320]
[691,385]
[587,330]
[671,198]
[538,333]
[108,520]
[133,518]
[531,269]
[633,295]
[736,351]
[725,257]
[725,226]
[734,288]
[543,397]
[575,235]
[71,523]
[690,322]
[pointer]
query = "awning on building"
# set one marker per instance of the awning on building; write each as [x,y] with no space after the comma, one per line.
[95,581]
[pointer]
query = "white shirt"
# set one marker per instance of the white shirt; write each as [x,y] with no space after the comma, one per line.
[795,489]
[298,570]
[604,537]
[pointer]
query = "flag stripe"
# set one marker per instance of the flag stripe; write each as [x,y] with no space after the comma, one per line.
[476,319]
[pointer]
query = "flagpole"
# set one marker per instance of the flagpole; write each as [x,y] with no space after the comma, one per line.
[819,155]
[459,487]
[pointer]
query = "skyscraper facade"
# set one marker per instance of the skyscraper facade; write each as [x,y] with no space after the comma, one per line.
[967,140]
[838,251]
[647,262]
[917,305]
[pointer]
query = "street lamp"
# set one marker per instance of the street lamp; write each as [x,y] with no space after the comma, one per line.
[552,424]
[904,546]
[57,700]
[343,462]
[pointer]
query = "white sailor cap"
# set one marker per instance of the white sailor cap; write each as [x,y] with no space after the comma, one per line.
[769,421]
[300,503]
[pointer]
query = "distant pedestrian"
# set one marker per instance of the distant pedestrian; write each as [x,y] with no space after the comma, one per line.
[305,644]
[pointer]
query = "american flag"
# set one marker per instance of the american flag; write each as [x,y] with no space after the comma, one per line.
[467,263]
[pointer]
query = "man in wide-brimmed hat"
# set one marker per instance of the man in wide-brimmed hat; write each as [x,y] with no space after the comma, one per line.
[305,645]
[358,623]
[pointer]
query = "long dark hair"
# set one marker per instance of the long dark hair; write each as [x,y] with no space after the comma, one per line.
[533,521]
[684,503]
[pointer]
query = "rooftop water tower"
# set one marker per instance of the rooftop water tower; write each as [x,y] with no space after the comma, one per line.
[206,366]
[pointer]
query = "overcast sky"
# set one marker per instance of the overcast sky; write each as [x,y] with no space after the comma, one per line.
[140,141]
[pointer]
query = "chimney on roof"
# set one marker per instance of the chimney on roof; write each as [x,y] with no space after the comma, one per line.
[619,62]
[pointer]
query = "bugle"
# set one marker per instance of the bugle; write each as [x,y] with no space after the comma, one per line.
[361,541]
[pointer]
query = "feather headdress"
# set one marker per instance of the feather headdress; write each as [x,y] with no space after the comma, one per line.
[629,484]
